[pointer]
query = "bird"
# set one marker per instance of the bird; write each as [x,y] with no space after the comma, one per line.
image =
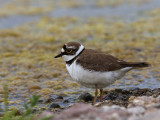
[94,68]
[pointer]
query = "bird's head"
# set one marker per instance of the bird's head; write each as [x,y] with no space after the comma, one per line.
[70,50]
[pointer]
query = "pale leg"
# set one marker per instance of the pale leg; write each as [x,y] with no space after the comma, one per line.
[101,94]
[96,92]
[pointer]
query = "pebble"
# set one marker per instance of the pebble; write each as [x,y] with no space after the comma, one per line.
[156,91]
[86,97]
[112,108]
[66,101]
[51,99]
[136,110]
[41,100]
[54,105]
[111,96]
[118,107]
[60,97]
[107,108]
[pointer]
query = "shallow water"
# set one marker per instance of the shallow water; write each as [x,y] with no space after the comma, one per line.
[16,20]
[127,12]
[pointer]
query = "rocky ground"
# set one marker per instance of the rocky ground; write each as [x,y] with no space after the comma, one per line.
[118,104]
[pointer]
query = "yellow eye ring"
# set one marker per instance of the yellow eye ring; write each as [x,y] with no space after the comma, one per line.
[68,51]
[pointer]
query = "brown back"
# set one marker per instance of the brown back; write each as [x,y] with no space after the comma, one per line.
[99,61]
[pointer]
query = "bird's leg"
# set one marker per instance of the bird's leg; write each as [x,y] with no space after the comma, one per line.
[101,94]
[96,92]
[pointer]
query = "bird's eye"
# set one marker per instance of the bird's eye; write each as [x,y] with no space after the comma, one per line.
[68,51]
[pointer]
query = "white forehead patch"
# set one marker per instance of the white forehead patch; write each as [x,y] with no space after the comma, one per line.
[62,50]
[70,57]
[71,47]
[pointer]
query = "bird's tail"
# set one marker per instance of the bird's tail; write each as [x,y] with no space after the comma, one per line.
[135,64]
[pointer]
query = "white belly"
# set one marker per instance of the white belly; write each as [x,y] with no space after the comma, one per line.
[91,78]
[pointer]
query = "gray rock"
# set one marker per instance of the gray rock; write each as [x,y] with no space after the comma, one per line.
[112,108]
[118,107]
[107,108]
[155,115]
[136,110]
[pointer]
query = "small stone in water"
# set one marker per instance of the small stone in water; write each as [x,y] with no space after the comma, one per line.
[86,97]
[66,101]
[41,100]
[54,105]
[51,99]
[111,96]
[60,97]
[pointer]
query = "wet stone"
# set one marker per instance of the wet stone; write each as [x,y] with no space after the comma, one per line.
[126,92]
[116,96]
[34,110]
[86,97]
[148,93]
[54,105]
[111,96]
[135,91]
[51,99]
[60,97]
[66,101]
[144,91]
[118,90]
[41,100]
[138,91]
[156,91]
[123,97]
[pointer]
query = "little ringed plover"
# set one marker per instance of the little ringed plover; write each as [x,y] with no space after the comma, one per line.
[93,68]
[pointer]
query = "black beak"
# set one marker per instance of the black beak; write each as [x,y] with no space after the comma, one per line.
[59,55]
